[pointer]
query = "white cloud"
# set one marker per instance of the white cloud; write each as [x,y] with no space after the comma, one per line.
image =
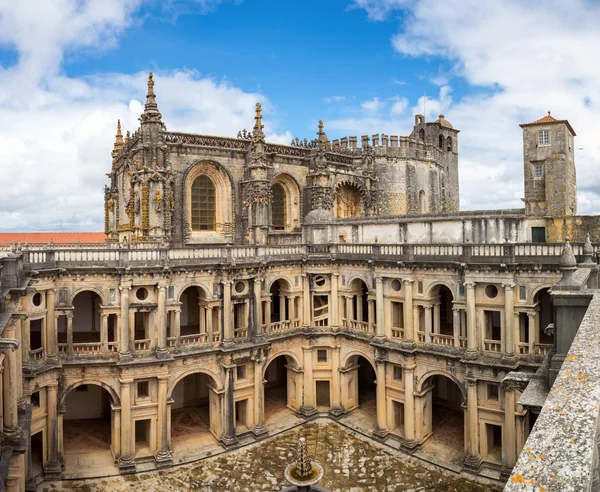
[372,106]
[379,9]
[56,132]
[528,58]
[334,99]
[399,106]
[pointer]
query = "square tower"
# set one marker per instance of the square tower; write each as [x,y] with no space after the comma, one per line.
[549,168]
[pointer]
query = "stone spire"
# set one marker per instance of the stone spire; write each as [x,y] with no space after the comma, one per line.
[151,113]
[568,264]
[257,133]
[118,141]
[588,250]
[322,136]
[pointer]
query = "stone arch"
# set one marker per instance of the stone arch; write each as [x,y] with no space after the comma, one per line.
[349,199]
[293,196]
[536,291]
[196,370]
[358,276]
[437,284]
[287,354]
[224,197]
[91,289]
[111,391]
[357,353]
[441,141]
[449,144]
[283,278]
[437,372]
[204,289]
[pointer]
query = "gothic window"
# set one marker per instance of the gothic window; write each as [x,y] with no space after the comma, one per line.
[203,204]
[278,207]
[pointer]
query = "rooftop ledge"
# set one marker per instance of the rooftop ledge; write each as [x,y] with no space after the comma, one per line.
[561,451]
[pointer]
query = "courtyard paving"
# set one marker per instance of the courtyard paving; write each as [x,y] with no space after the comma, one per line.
[351,462]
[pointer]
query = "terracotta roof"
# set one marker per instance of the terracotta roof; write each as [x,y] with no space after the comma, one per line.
[548,120]
[54,237]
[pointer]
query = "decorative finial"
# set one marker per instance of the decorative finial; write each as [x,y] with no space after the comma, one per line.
[258,126]
[567,258]
[548,112]
[320,126]
[119,134]
[150,85]
[127,137]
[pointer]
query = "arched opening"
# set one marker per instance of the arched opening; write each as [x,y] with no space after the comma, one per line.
[193,316]
[359,392]
[280,391]
[544,307]
[278,207]
[86,318]
[443,422]
[359,310]
[443,324]
[87,429]
[279,306]
[449,144]
[422,135]
[441,142]
[194,416]
[422,204]
[203,203]
[348,201]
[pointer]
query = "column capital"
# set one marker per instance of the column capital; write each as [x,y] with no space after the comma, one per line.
[470,284]
[226,282]
[531,314]
[409,367]
[378,279]
[335,274]
[408,280]
[456,309]
[471,381]
[508,286]
[125,382]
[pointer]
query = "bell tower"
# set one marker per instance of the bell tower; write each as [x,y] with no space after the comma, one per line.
[549,168]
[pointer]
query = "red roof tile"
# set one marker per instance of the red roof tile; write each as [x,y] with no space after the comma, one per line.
[54,237]
[548,120]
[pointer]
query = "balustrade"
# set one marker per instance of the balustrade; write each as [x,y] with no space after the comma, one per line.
[492,345]
[141,345]
[421,336]
[194,338]
[37,354]
[240,333]
[440,339]
[462,342]
[397,332]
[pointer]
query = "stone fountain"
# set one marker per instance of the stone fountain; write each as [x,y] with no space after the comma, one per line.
[304,473]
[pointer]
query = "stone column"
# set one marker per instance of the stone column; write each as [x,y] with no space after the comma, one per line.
[456,326]
[308,401]
[306,301]
[126,460]
[259,393]
[349,311]
[409,399]
[416,321]
[436,318]
[52,467]
[268,314]
[509,439]
[472,345]
[381,327]
[427,324]
[177,328]
[51,334]
[209,325]
[227,314]
[371,315]
[25,327]
[531,325]
[124,350]
[69,320]
[258,316]
[409,329]
[381,430]
[161,313]
[201,317]
[336,405]
[163,456]
[472,460]
[282,316]
[358,316]
[335,301]
[509,318]
[104,331]
[230,437]
[10,382]
[290,302]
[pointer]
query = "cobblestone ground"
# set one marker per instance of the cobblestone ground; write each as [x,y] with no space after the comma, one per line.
[351,464]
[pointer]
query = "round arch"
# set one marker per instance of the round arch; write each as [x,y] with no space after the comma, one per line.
[203,288]
[183,375]
[439,283]
[89,289]
[435,372]
[349,199]
[285,353]
[111,391]
[224,196]
[537,290]
[357,353]
[283,278]
[293,199]
[355,277]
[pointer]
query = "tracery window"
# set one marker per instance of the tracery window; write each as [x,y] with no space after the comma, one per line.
[203,204]
[278,207]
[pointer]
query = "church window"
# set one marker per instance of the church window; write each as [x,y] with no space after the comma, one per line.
[539,171]
[441,143]
[449,144]
[543,137]
[203,204]
[278,207]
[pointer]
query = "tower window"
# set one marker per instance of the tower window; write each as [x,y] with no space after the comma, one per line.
[278,207]
[203,204]
[543,137]
[449,144]
[539,171]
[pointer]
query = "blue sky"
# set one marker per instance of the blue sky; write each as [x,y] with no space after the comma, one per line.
[70,68]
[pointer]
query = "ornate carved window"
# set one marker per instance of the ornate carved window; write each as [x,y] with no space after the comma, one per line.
[203,204]
[348,202]
[278,207]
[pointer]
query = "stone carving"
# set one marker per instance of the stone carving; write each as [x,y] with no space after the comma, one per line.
[321,197]
[258,192]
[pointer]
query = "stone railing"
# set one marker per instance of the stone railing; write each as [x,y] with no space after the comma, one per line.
[125,255]
[561,452]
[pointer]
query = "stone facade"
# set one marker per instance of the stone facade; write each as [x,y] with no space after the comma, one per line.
[208,307]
